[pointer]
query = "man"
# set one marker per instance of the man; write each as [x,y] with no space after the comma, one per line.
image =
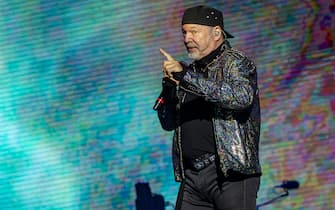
[213,106]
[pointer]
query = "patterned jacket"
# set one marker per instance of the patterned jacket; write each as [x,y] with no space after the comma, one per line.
[230,84]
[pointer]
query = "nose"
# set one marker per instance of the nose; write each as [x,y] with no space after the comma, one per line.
[187,37]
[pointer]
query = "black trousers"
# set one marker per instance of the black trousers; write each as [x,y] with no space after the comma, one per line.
[207,190]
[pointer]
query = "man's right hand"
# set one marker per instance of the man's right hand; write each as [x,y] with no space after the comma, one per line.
[170,66]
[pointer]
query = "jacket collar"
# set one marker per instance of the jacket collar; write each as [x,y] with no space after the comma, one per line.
[201,65]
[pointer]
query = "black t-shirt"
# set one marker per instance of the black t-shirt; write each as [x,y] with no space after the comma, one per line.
[197,132]
[196,129]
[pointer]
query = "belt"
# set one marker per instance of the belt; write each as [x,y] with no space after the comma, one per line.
[201,162]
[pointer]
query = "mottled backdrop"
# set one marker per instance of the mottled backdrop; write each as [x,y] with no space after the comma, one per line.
[78,80]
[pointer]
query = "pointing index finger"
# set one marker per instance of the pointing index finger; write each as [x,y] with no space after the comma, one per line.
[166,55]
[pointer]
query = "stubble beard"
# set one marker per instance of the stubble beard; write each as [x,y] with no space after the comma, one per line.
[194,55]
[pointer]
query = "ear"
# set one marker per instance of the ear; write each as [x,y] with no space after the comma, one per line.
[217,33]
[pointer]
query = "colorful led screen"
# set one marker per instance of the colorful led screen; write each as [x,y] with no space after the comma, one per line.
[79,79]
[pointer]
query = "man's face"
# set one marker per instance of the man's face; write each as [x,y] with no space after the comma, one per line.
[199,40]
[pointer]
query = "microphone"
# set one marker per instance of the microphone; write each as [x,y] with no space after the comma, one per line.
[167,93]
[289,185]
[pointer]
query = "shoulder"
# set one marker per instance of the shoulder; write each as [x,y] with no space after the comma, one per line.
[235,54]
[238,58]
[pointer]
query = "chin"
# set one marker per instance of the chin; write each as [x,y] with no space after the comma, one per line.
[194,56]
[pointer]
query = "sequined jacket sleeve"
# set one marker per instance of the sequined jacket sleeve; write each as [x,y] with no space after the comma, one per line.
[230,83]
[167,113]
